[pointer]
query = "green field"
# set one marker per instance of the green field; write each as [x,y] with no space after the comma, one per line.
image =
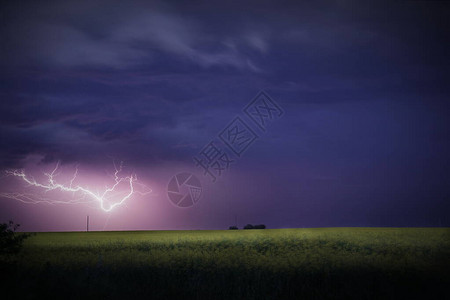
[323,263]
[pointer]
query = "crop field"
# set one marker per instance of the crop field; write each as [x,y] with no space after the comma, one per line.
[322,263]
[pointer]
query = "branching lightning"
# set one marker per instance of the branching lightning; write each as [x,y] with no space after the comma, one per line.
[80,194]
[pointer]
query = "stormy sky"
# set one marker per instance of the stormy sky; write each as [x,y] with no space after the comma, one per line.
[363,140]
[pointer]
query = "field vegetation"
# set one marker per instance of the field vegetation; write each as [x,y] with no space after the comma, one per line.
[323,263]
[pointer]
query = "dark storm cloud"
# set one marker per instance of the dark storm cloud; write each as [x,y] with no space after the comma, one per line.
[116,37]
[364,87]
[58,63]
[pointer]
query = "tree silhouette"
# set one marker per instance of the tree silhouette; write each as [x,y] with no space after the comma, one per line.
[260,226]
[248,226]
[10,240]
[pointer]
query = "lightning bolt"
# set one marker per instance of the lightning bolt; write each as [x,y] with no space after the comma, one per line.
[85,195]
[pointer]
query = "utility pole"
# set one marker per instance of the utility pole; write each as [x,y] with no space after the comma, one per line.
[87,223]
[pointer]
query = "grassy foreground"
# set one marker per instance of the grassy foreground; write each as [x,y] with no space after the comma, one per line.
[325,263]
